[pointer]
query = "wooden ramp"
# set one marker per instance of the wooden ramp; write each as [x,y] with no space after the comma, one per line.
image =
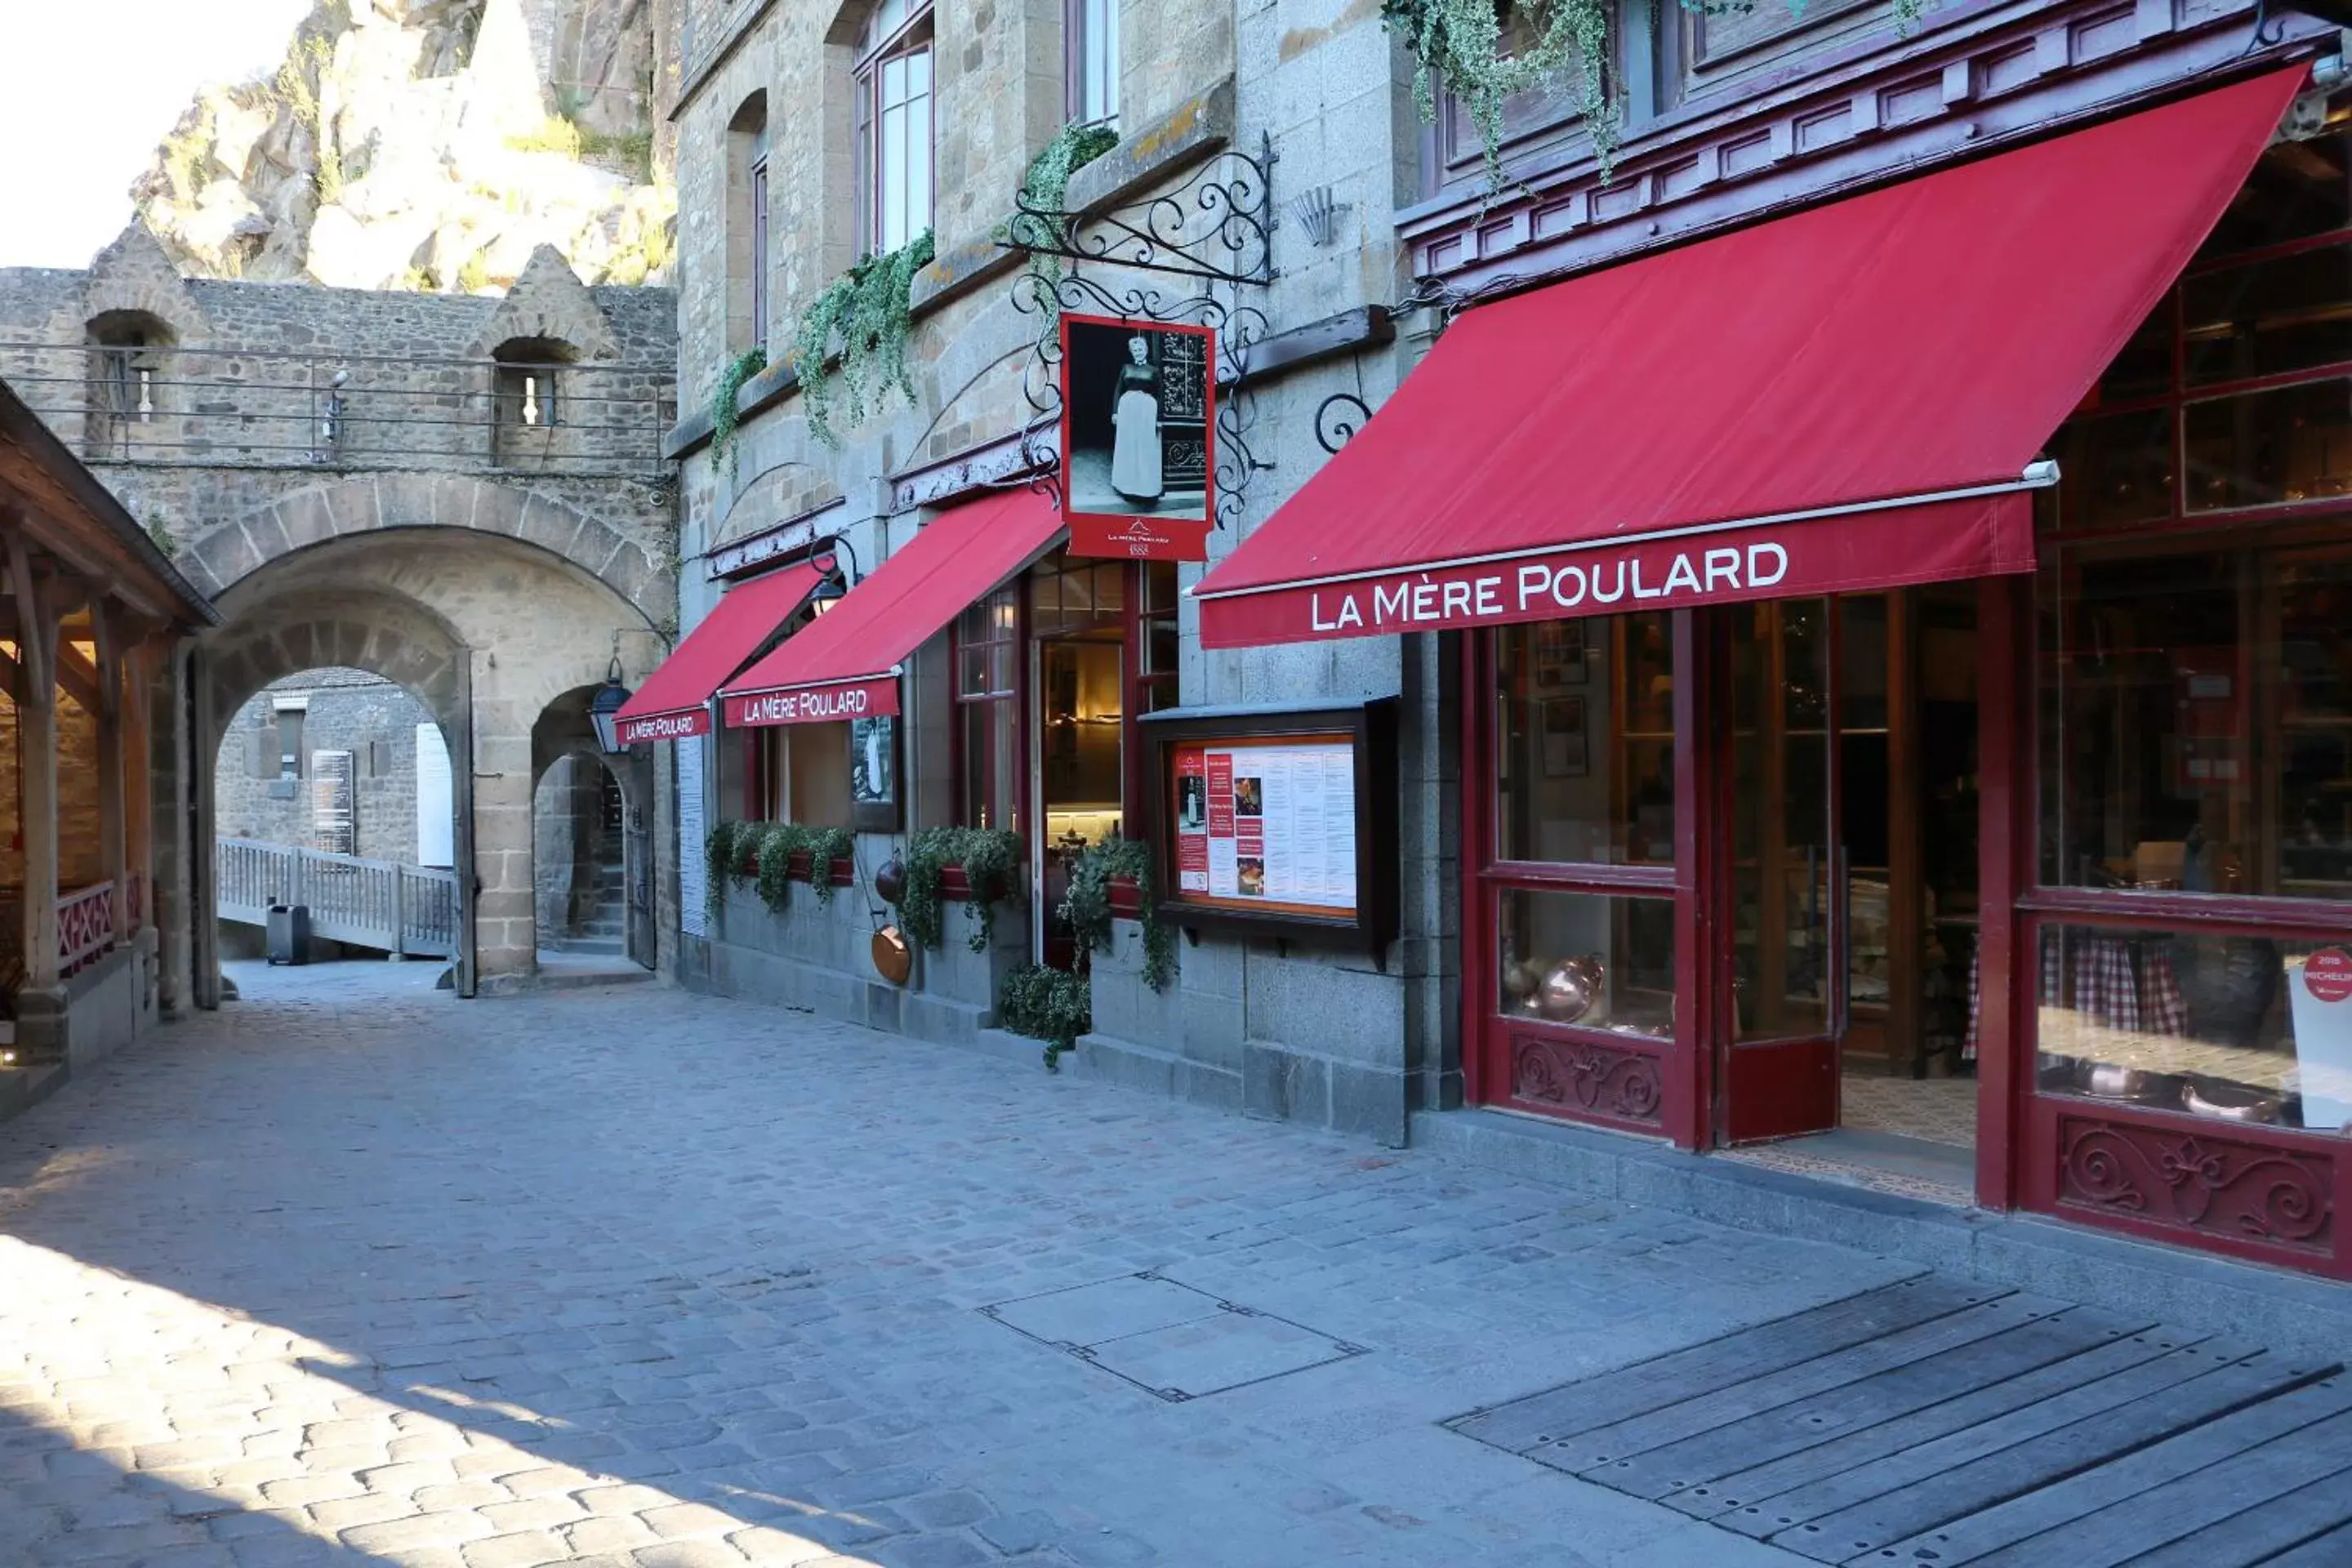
[1944,1422]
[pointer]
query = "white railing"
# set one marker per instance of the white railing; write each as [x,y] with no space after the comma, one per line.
[369,903]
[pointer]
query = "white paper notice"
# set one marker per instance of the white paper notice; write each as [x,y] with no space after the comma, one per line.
[693,870]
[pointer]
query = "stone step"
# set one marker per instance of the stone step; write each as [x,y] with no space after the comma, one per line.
[611,947]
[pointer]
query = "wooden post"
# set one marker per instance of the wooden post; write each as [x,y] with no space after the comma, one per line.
[113,840]
[36,759]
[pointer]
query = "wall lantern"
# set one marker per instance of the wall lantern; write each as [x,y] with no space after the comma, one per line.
[607,704]
[839,578]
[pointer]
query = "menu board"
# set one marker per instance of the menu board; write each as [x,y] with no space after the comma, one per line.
[693,870]
[1267,823]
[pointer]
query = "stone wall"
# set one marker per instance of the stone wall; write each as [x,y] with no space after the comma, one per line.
[1326,1036]
[347,710]
[383,524]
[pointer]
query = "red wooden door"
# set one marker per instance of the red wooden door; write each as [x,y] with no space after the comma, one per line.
[1777,874]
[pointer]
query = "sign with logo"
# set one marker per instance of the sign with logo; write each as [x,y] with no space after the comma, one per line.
[841,702]
[1597,577]
[1138,433]
[2319,1005]
[682,725]
[2328,975]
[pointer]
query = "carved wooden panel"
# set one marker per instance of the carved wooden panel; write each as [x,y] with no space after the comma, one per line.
[1724,33]
[1585,1079]
[2199,1181]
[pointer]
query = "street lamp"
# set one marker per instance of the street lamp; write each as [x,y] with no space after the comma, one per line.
[837,581]
[605,706]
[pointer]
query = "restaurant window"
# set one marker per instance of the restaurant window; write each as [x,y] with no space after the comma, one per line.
[1584,723]
[987,652]
[893,124]
[1090,47]
[1155,632]
[2197,719]
[798,772]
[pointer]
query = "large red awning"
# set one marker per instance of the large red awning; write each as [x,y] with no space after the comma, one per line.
[1846,398]
[846,665]
[674,700]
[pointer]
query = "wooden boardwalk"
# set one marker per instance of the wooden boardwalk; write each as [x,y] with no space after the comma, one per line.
[1945,1422]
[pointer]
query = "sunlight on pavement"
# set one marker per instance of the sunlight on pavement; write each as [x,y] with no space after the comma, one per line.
[224,1415]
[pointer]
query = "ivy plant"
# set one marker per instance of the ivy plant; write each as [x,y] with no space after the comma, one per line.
[823,846]
[719,862]
[867,308]
[1086,906]
[989,857]
[1457,47]
[1049,1005]
[725,410]
[1045,188]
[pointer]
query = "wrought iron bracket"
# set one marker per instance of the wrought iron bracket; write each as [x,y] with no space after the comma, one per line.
[1218,225]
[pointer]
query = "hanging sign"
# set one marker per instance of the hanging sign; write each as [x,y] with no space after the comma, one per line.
[1138,422]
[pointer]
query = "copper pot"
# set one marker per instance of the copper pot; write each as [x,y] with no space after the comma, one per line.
[1570,989]
[2229,1101]
[890,882]
[893,959]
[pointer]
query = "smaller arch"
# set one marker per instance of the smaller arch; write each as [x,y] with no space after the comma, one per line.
[744,235]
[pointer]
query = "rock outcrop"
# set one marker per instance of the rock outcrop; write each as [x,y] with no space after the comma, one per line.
[428,144]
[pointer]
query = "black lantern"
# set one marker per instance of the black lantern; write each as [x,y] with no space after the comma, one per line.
[605,706]
[841,575]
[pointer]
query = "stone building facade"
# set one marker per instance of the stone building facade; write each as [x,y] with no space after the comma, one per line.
[2055,772]
[1328,1034]
[257,794]
[463,496]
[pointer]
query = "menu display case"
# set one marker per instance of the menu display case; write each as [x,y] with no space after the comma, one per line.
[1278,820]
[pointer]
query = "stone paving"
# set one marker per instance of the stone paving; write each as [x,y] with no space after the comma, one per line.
[353,1273]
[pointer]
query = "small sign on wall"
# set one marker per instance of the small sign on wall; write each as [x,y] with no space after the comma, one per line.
[1139,423]
[334,825]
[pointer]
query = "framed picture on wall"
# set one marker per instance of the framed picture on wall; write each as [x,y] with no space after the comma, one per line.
[874,774]
[1559,654]
[1138,424]
[1565,748]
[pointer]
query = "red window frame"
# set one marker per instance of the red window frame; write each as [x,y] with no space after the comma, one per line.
[1001,812]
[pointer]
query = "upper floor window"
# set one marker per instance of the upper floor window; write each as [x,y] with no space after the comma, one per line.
[893,124]
[1090,65]
[125,378]
[745,237]
[524,412]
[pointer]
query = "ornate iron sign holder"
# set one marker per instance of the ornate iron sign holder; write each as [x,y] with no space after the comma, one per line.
[1217,228]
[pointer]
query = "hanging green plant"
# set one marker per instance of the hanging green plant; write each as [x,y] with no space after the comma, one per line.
[989,857]
[828,844]
[1457,46]
[1086,906]
[867,308]
[725,414]
[1045,188]
[778,845]
[719,860]
[1049,1005]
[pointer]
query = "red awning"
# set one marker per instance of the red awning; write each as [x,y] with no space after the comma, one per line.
[1846,398]
[846,665]
[674,700]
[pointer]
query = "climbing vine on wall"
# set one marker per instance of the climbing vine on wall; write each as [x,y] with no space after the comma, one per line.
[725,403]
[1457,46]
[1086,906]
[1045,188]
[866,309]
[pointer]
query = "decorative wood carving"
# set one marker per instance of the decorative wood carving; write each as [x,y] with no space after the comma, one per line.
[1587,1078]
[2192,1180]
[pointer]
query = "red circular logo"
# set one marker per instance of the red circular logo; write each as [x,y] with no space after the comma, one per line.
[2328,975]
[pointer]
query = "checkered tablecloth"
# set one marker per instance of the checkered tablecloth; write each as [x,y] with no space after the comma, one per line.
[2138,993]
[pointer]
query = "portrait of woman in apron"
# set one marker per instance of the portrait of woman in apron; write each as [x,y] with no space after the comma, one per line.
[1135,423]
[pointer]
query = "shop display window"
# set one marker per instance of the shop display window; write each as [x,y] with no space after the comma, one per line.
[987,711]
[2235,1027]
[2196,720]
[1590,960]
[1585,737]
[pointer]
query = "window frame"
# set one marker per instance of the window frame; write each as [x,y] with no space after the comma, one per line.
[1081,20]
[1016,642]
[910,36]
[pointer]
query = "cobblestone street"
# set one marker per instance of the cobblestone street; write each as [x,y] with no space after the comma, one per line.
[353,1273]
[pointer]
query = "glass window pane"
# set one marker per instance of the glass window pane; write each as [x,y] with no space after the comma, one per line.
[988,792]
[2144,367]
[1588,959]
[2265,318]
[1001,666]
[972,680]
[1781,883]
[1162,648]
[894,82]
[2297,189]
[2197,722]
[919,74]
[1160,585]
[1584,732]
[892,193]
[2239,1028]
[2114,469]
[2263,447]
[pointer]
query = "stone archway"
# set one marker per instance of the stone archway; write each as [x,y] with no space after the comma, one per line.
[562,735]
[489,631]
[221,557]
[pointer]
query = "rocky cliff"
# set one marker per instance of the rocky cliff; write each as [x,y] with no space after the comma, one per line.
[429,144]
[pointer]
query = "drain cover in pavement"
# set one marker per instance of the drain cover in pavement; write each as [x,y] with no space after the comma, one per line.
[1178,1342]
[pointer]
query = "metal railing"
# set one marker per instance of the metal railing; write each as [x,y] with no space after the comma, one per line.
[129,403]
[385,904]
